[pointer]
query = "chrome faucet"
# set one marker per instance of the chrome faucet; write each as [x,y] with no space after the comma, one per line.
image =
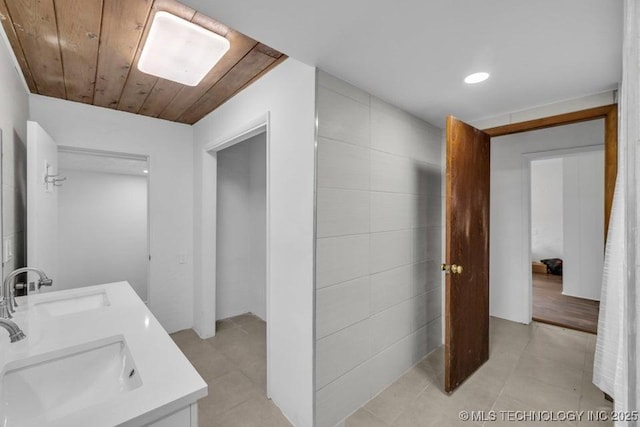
[15,333]
[8,302]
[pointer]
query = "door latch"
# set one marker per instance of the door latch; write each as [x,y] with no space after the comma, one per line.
[451,269]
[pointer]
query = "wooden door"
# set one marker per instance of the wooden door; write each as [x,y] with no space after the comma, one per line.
[467,251]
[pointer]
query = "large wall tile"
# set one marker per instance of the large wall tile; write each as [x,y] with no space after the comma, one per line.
[342,351]
[390,288]
[427,242]
[342,118]
[342,258]
[426,179]
[392,173]
[434,334]
[390,325]
[391,211]
[399,283]
[390,249]
[427,275]
[419,249]
[342,212]
[343,396]
[390,134]
[341,305]
[434,243]
[343,88]
[427,144]
[395,360]
[342,165]
[427,211]
[425,308]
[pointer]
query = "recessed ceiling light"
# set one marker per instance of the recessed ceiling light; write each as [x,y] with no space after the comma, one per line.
[179,50]
[145,171]
[476,78]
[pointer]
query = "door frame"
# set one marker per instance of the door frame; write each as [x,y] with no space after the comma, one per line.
[205,325]
[607,112]
[610,115]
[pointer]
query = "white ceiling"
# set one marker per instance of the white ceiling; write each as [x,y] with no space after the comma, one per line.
[415,53]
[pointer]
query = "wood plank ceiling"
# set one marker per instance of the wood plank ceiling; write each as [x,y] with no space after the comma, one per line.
[87,51]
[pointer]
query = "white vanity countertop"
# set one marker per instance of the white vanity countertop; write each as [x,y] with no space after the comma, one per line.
[169,382]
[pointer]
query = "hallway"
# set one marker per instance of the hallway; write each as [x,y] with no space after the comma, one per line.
[551,306]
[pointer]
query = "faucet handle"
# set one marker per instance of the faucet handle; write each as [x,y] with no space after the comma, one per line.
[45,282]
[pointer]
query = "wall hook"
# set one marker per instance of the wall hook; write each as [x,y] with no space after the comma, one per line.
[50,178]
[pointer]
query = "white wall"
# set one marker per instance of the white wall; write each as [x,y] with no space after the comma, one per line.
[258,225]
[102,230]
[287,94]
[170,149]
[510,266]
[14,111]
[241,255]
[546,209]
[378,282]
[583,224]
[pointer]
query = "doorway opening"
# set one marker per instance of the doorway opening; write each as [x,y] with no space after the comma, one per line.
[241,291]
[241,229]
[471,264]
[567,237]
[570,136]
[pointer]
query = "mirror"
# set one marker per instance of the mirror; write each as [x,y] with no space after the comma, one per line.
[87,215]
[102,219]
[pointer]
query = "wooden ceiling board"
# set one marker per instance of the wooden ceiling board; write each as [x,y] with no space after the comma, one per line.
[34,22]
[123,22]
[87,51]
[161,95]
[79,41]
[253,63]
[15,45]
[139,85]
[241,45]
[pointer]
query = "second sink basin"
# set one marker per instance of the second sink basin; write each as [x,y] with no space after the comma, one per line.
[45,388]
[74,304]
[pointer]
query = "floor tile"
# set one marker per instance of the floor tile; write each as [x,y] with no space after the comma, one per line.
[233,363]
[364,418]
[388,405]
[541,396]
[433,408]
[550,372]
[255,411]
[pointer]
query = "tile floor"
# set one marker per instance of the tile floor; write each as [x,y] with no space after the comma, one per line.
[532,367]
[233,363]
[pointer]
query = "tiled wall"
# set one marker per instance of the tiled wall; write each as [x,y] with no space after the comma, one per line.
[378,246]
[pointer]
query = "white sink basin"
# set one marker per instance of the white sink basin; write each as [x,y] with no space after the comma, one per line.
[41,389]
[74,304]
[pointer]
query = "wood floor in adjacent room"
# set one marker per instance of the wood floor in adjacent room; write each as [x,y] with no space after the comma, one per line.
[551,306]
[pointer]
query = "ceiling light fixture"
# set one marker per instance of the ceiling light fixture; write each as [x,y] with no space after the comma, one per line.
[476,78]
[180,51]
[145,171]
